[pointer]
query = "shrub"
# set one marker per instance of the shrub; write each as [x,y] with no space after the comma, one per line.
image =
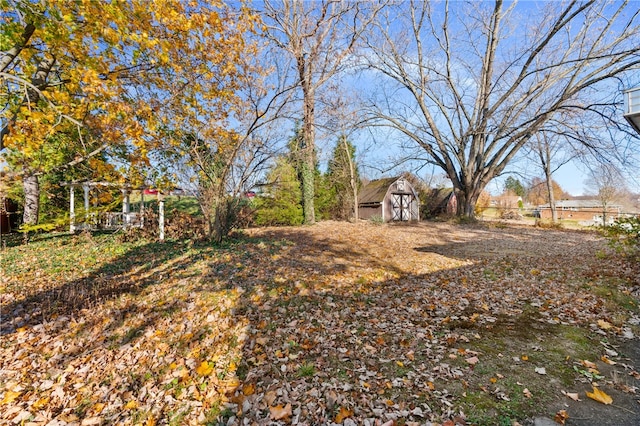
[281,205]
[624,236]
[182,225]
[376,219]
[548,224]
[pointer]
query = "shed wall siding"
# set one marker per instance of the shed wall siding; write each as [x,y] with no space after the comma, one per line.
[368,212]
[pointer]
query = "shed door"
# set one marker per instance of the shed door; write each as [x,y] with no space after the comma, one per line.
[401,204]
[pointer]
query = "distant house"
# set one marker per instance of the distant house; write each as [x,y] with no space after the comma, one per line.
[390,199]
[583,210]
[632,107]
[510,202]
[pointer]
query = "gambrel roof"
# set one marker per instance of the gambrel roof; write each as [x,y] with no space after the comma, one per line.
[376,190]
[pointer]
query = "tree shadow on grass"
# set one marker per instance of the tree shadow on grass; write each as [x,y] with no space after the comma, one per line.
[326,325]
[131,272]
[378,341]
[485,243]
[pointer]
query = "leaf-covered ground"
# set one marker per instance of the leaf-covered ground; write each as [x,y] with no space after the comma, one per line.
[334,323]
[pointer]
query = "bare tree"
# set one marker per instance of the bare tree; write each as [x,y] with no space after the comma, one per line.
[551,154]
[220,166]
[344,120]
[319,36]
[607,184]
[471,83]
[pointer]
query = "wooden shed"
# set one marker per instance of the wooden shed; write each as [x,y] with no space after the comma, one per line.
[390,199]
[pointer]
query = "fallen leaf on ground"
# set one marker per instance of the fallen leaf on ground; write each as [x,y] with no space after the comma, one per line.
[42,402]
[604,324]
[204,369]
[343,414]
[541,370]
[131,405]
[561,417]
[527,393]
[270,397]
[248,389]
[473,360]
[607,360]
[9,397]
[600,396]
[571,395]
[279,412]
[588,364]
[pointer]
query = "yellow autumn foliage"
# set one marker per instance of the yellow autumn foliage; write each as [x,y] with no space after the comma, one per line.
[112,86]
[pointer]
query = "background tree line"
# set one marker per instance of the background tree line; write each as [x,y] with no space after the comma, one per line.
[200,95]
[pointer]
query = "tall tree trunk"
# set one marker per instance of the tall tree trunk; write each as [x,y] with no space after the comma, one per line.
[308,152]
[352,178]
[552,198]
[219,221]
[308,188]
[467,200]
[207,205]
[354,188]
[545,158]
[31,187]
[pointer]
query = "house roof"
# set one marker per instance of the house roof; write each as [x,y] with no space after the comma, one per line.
[374,191]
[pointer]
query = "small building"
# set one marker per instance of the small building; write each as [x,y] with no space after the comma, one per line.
[632,107]
[8,215]
[582,210]
[439,202]
[390,199]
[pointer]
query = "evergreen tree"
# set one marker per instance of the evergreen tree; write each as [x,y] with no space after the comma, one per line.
[324,196]
[281,205]
[343,179]
[514,186]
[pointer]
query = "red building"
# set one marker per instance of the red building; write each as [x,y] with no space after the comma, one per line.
[582,210]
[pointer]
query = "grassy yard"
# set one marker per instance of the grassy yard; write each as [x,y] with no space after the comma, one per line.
[334,323]
[183,203]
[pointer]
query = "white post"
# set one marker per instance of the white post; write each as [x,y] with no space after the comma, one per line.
[142,208]
[125,208]
[72,209]
[86,206]
[161,218]
[86,198]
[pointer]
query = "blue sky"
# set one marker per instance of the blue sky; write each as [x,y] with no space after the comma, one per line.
[571,177]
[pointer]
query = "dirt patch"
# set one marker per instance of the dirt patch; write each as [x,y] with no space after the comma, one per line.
[620,381]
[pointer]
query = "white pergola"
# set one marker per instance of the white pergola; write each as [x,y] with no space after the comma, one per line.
[111,220]
[632,107]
